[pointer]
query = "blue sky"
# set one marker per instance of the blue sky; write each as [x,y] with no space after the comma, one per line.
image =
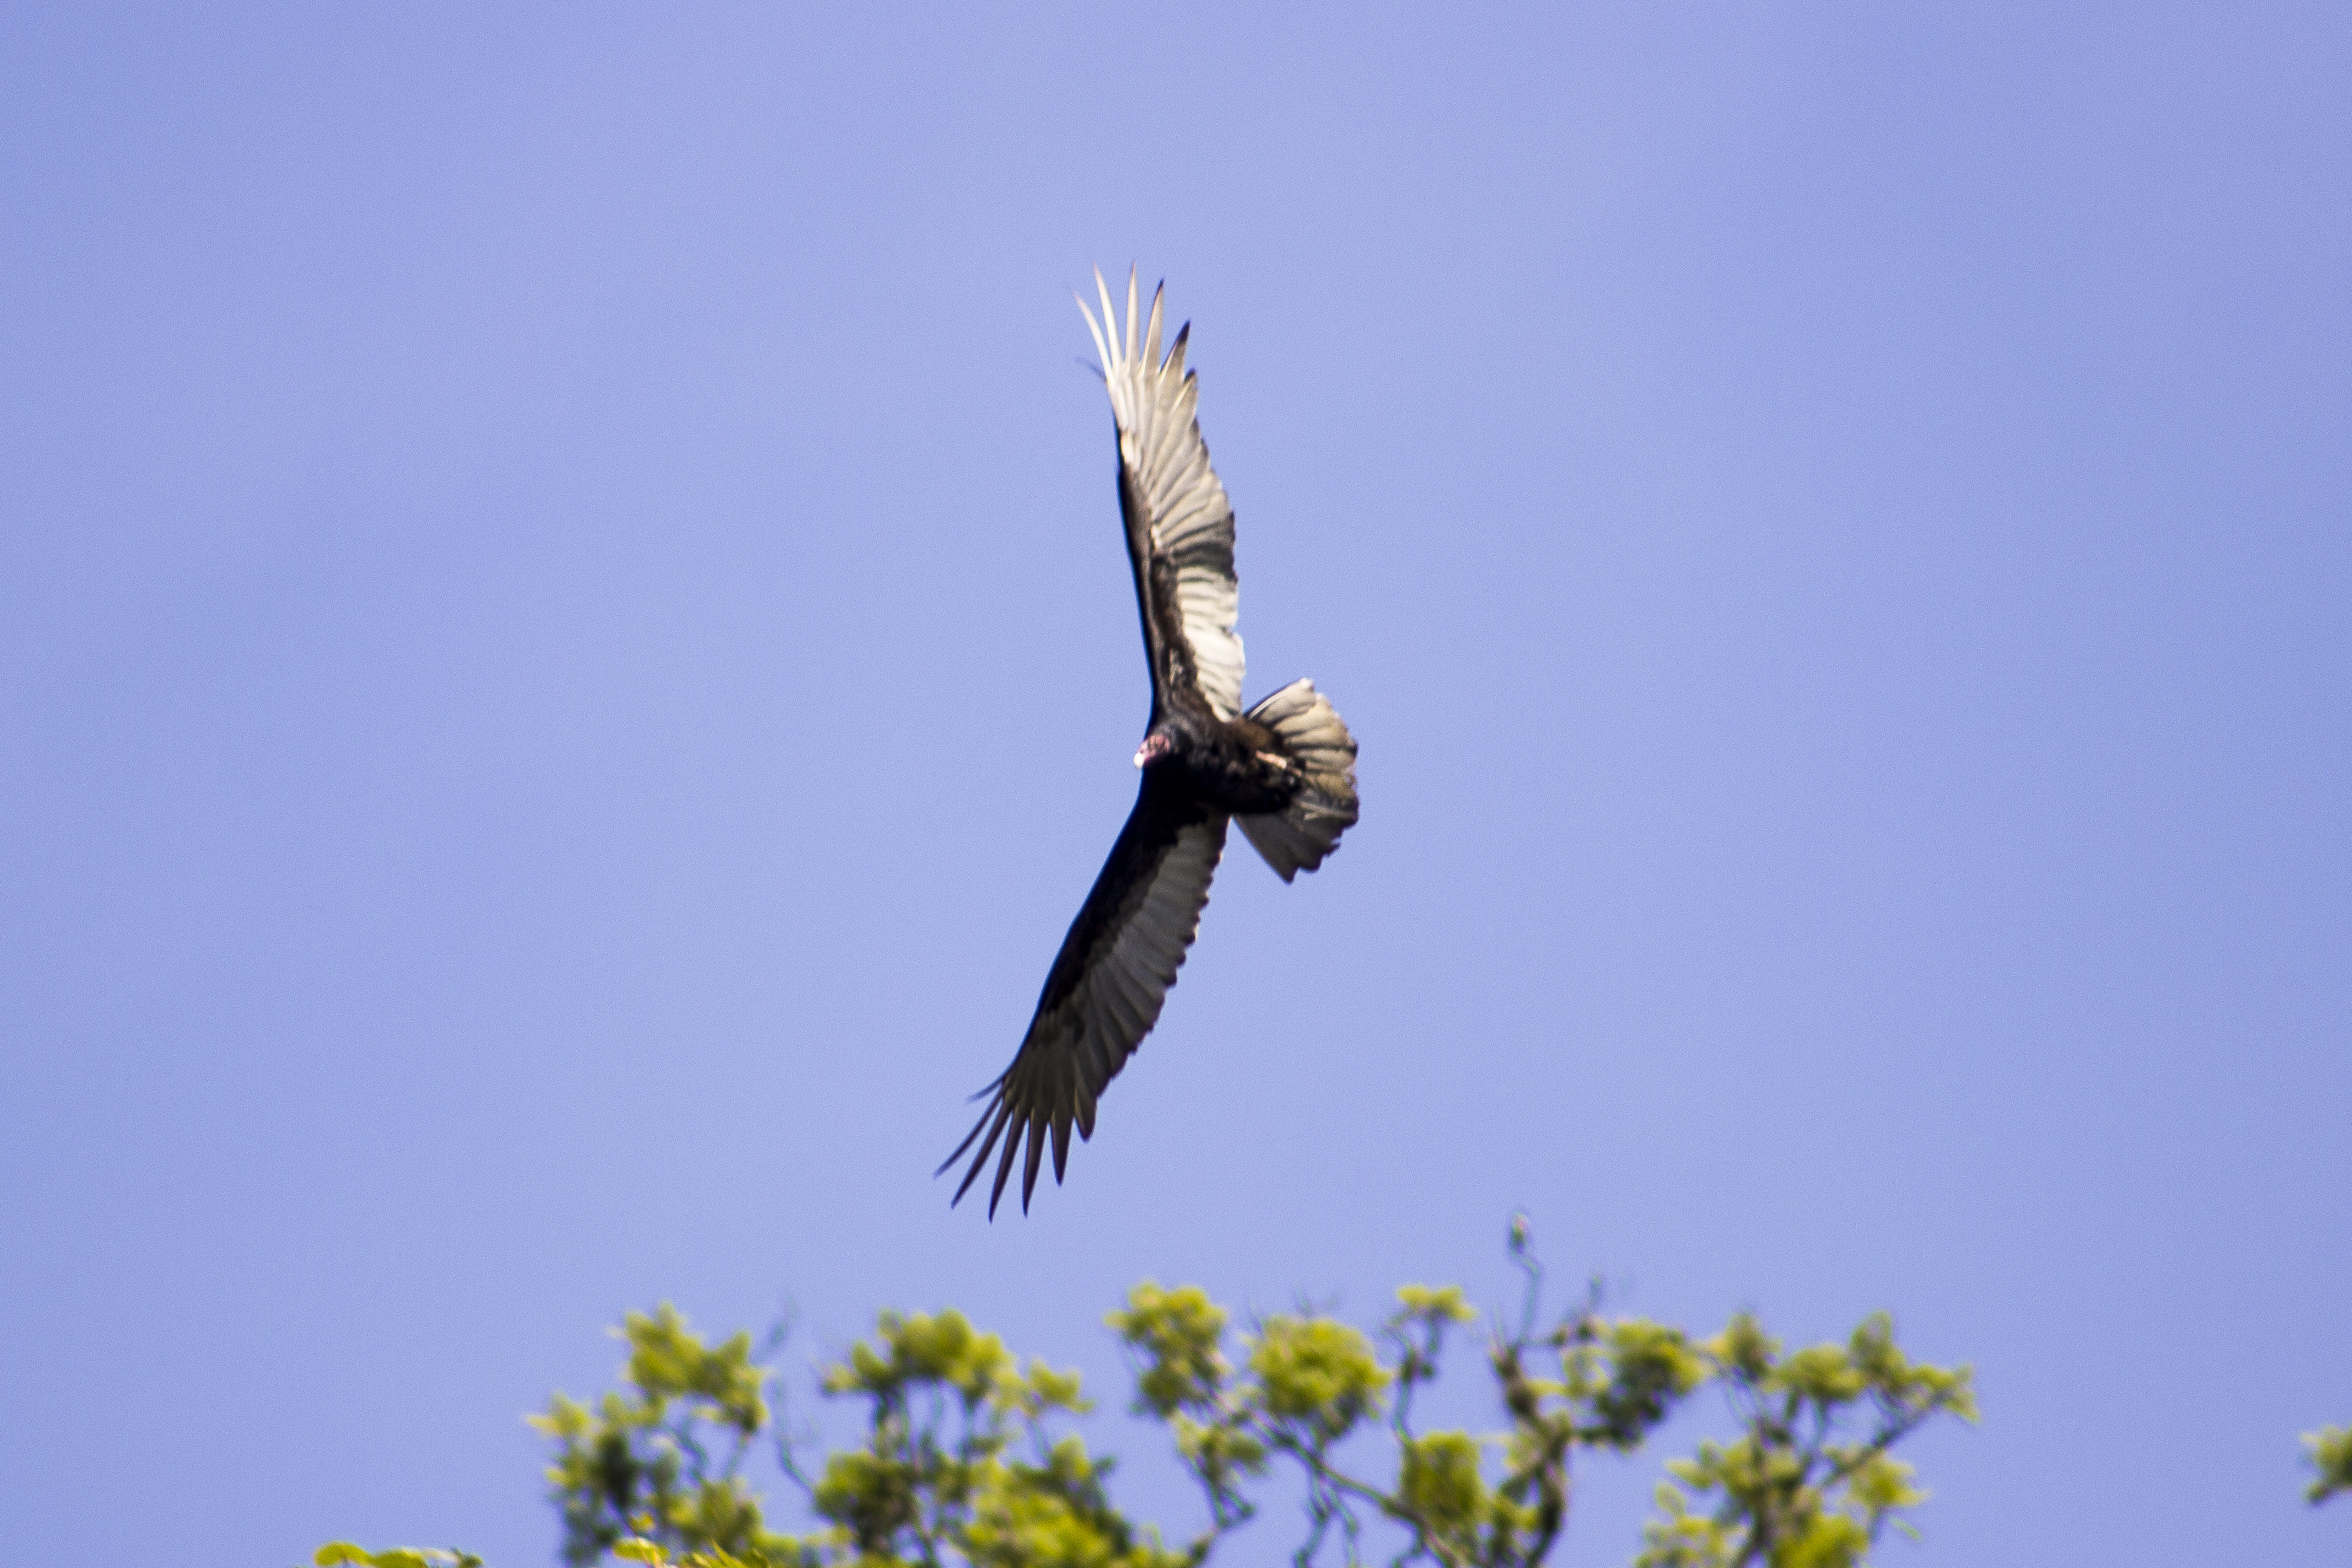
[567,659]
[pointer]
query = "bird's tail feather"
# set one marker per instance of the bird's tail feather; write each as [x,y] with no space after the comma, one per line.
[1313,736]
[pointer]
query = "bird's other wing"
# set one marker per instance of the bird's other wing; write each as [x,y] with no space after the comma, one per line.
[1179,526]
[1104,992]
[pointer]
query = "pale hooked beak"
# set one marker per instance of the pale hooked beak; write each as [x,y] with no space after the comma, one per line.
[1154,747]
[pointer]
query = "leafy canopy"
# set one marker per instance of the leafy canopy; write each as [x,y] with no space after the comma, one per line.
[964,1457]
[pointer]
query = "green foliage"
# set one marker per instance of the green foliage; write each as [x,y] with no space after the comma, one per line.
[1587,1381]
[1442,1492]
[341,1552]
[661,1462]
[1810,1483]
[956,1465]
[1178,1332]
[1315,1378]
[948,1410]
[960,1460]
[2329,1453]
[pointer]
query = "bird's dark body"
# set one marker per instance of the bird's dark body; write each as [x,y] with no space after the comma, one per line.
[1236,766]
[1284,772]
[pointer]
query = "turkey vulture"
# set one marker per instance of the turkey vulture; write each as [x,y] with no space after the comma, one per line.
[1286,770]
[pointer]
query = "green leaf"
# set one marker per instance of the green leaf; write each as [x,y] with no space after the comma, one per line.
[1823,1374]
[1436,1303]
[1650,1367]
[1181,1334]
[1316,1372]
[668,1361]
[1830,1540]
[919,1350]
[1439,1486]
[2330,1454]
[1744,1350]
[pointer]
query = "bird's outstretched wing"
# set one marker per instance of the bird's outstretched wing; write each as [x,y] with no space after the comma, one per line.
[1104,992]
[1179,526]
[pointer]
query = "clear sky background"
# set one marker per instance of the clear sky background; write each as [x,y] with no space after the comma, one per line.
[567,659]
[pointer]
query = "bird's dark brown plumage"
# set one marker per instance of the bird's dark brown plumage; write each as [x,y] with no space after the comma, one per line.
[1285,772]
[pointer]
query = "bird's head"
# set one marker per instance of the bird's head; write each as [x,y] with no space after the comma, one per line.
[1155,746]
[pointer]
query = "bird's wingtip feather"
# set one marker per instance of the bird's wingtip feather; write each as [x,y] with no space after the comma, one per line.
[1003,1169]
[1109,316]
[992,1119]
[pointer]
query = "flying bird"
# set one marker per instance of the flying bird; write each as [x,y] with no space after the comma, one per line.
[1285,771]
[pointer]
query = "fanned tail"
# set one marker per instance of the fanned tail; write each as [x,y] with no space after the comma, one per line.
[1313,736]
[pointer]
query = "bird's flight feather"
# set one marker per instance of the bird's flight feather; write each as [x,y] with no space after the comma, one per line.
[1105,990]
[1180,523]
